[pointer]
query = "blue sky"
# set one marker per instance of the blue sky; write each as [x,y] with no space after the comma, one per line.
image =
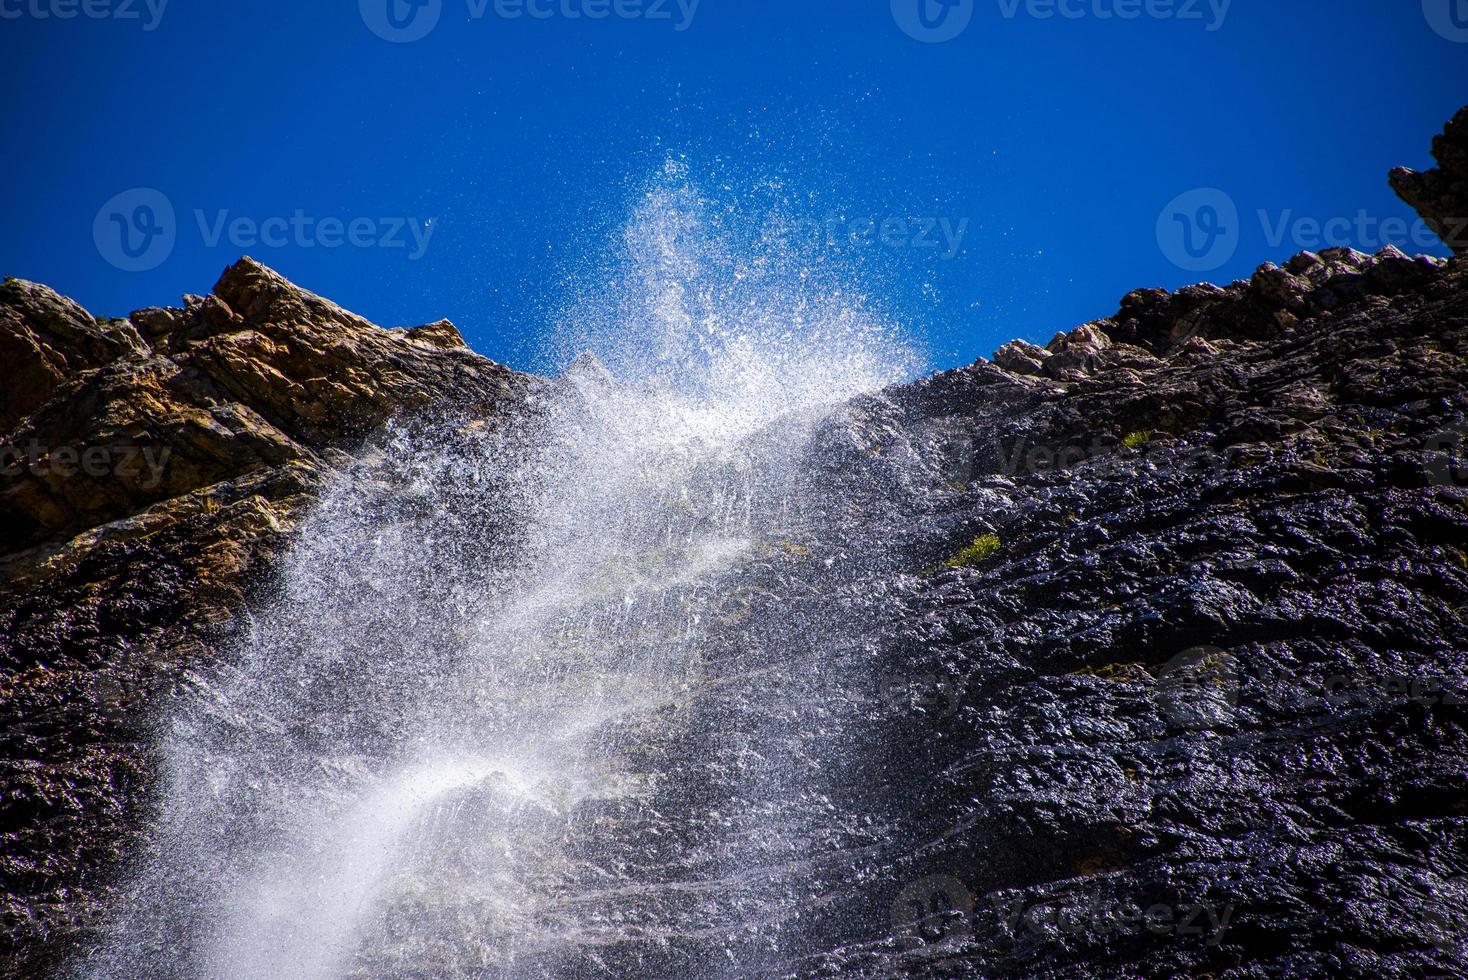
[1011,180]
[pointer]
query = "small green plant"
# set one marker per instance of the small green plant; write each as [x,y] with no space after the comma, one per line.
[984,546]
[1136,440]
[793,549]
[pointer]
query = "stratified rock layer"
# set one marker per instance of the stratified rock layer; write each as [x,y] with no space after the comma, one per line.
[1213,659]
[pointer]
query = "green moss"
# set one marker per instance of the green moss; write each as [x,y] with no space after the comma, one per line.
[1136,440]
[1129,670]
[792,549]
[984,546]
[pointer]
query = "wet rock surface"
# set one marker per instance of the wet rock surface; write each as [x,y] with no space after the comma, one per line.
[1201,711]
[1139,654]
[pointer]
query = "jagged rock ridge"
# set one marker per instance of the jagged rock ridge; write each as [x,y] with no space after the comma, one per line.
[1441,195]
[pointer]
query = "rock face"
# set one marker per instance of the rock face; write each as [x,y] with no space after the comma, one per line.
[1441,195]
[1198,706]
[152,467]
[1174,608]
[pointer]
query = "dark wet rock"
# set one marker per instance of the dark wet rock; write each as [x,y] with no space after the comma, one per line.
[1204,711]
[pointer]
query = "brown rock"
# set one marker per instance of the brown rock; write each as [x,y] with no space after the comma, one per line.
[46,339]
[1022,357]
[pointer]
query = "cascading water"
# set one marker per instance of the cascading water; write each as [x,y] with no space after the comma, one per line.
[481,726]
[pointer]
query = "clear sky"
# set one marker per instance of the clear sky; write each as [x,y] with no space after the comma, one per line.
[989,170]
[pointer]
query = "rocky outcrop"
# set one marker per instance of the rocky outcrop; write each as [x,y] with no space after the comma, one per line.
[150,469]
[46,340]
[1441,195]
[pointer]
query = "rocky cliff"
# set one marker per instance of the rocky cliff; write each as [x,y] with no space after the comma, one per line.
[152,468]
[1172,612]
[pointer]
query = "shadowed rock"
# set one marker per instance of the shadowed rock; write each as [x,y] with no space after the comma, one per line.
[1441,195]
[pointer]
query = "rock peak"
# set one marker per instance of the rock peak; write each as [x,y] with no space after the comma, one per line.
[1440,196]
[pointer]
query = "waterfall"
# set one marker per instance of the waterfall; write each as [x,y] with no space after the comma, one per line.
[494,717]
